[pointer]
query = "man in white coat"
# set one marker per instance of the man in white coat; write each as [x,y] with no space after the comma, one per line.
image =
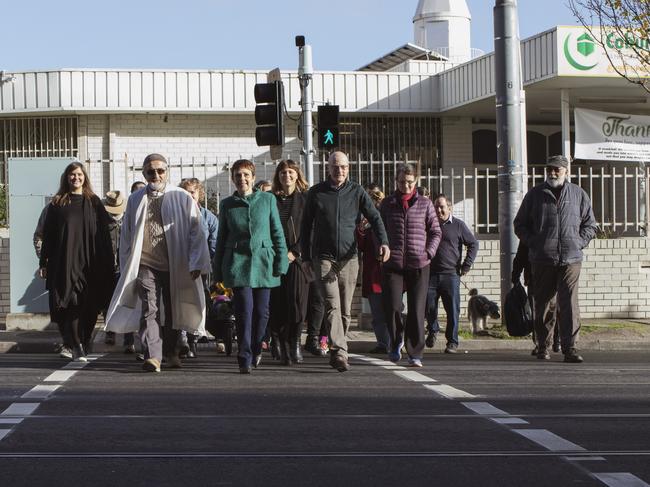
[163,252]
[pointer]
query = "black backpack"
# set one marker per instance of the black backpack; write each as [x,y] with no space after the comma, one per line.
[519,317]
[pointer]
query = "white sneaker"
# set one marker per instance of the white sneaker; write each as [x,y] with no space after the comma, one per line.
[65,353]
[78,354]
[415,362]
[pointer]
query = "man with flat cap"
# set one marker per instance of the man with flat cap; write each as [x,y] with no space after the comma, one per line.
[163,252]
[556,222]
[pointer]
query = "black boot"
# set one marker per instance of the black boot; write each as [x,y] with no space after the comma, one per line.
[275,346]
[294,351]
[312,345]
[285,358]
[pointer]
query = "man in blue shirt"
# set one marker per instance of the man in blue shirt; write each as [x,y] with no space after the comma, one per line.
[446,269]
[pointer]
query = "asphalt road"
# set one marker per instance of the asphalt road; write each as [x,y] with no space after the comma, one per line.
[477,419]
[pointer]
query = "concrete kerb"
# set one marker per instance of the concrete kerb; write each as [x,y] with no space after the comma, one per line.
[361,341]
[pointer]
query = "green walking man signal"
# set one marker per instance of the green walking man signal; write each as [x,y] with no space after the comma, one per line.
[328,127]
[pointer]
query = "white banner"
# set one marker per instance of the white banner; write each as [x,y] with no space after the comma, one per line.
[604,136]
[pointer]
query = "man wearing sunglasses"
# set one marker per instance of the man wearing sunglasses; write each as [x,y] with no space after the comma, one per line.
[163,251]
[556,222]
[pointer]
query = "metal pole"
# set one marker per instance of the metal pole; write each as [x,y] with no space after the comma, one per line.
[566,128]
[305,72]
[511,131]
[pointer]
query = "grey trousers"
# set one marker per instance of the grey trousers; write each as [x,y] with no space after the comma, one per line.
[336,282]
[151,285]
[562,280]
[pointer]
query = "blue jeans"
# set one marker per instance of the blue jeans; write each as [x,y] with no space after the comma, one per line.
[379,325]
[447,287]
[251,307]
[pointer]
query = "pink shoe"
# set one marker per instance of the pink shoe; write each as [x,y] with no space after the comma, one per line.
[324,344]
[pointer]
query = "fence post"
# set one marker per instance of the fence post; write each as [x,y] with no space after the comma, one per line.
[647,201]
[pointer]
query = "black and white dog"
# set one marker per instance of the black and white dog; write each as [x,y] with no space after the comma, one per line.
[479,309]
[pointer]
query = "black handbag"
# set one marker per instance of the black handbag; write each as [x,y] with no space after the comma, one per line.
[519,316]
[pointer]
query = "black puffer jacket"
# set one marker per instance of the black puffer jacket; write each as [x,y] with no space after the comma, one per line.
[330,218]
[555,231]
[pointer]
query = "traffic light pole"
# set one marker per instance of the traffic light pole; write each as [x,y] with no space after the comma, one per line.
[511,131]
[305,73]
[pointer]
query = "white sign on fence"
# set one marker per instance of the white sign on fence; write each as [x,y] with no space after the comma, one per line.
[607,136]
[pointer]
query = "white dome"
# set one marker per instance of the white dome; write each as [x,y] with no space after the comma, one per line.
[444,26]
[437,9]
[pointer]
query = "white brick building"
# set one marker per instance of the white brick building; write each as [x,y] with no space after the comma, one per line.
[440,113]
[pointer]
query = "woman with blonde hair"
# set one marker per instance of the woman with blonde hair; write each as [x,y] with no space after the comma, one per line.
[289,301]
[76,258]
[210,224]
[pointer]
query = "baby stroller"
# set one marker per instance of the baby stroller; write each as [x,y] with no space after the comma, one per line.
[221,318]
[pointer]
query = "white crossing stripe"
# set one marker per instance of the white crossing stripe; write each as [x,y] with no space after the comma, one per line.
[620,479]
[40,392]
[414,376]
[449,392]
[549,440]
[20,409]
[484,409]
[4,433]
[511,420]
[393,367]
[585,459]
[60,376]
[11,420]
[383,362]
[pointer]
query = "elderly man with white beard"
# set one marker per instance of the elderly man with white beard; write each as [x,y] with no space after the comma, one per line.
[163,252]
[556,222]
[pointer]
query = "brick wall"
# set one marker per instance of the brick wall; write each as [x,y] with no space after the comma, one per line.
[614,281]
[219,136]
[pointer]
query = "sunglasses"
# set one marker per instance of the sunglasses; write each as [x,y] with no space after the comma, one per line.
[153,172]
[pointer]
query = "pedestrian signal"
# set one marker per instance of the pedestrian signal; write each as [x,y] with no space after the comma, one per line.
[328,127]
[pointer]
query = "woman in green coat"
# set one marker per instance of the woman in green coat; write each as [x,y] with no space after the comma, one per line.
[250,258]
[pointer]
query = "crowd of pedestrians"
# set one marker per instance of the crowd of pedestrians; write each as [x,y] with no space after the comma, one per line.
[291,255]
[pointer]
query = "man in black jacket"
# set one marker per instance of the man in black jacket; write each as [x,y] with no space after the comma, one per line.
[328,241]
[556,222]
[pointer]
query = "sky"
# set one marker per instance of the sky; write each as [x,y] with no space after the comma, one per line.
[228,34]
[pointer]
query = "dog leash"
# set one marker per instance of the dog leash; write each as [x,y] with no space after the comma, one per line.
[461,281]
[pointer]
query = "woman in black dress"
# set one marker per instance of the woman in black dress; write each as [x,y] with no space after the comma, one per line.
[76,258]
[289,301]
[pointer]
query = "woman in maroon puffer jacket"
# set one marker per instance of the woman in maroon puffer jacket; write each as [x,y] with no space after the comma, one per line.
[371,277]
[413,236]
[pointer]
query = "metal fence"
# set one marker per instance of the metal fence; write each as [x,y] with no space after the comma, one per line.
[618,191]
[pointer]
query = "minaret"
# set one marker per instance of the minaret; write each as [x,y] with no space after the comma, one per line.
[444,26]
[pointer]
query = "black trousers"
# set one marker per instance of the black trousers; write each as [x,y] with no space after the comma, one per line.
[561,280]
[416,284]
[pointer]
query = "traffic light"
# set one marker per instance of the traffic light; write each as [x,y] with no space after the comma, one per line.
[328,126]
[268,116]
